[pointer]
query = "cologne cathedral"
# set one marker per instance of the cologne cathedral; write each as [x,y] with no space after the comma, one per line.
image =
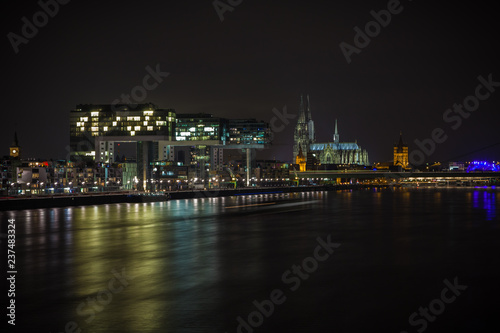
[325,154]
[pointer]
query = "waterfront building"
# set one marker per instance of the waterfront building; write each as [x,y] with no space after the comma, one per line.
[200,127]
[196,140]
[304,134]
[301,160]
[273,171]
[15,149]
[94,128]
[325,154]
[247,132]
[401,153]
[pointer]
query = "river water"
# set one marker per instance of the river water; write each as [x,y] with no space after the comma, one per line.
[346,261]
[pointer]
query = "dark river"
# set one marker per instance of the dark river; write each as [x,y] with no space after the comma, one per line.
[409,260]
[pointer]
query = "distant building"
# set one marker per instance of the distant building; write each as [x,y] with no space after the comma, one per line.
[200,127]
[15,150]
[194,140]
[401,153]
[456,166]
[94,128]
[304,134]
[327,153]
[247,131]
[301,160]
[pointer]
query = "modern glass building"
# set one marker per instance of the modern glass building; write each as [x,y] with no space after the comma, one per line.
[247,131]
[200,127]
[194,140]
[105,120]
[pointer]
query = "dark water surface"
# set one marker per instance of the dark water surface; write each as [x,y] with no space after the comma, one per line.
[197,265]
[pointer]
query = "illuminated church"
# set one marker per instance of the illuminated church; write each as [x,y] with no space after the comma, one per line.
[307,151]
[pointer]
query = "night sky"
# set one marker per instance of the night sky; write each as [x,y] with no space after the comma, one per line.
[262,56]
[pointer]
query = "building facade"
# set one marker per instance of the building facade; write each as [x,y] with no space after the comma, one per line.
[401,153]
[89,122]
[304,134]
[325,153]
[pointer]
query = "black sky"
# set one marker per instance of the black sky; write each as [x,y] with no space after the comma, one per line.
[262,56]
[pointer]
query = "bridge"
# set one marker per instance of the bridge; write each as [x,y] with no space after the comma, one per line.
[379,174]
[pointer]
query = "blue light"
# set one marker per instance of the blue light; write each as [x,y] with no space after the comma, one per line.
[483,166]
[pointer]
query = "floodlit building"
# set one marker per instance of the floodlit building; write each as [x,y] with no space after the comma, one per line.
[94,129]
[324,154]
[401,153]
[194,140]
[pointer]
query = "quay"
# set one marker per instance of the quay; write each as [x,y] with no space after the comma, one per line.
[51,201]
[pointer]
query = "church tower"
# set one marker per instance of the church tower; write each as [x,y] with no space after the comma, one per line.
[15,150]
[301,160]
[401,152]
[304,130]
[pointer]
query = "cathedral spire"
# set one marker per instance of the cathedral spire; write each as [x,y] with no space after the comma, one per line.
[309,117]
[302,114]
[336,135]
[16,142]
[310,122]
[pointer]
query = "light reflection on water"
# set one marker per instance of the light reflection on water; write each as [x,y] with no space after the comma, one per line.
[487,201]
[198,264]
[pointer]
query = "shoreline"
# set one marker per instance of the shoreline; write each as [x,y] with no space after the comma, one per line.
[60,201]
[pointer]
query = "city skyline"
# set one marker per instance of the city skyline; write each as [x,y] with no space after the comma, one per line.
[260,58]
